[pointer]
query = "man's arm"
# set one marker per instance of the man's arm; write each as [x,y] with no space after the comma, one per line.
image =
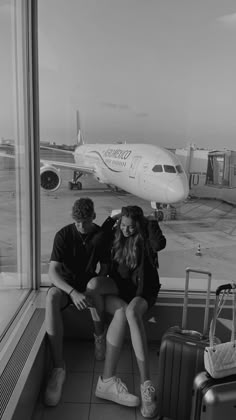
[56,277]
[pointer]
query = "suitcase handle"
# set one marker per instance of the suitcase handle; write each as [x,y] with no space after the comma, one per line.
[227,286]
[191,333]
[224,287]
[189,270]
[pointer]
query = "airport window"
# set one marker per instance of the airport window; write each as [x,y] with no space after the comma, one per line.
[157,168]
[81,88]
[169,168]
[17,269]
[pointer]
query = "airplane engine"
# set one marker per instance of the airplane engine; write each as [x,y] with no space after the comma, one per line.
[99,176]
[50,178]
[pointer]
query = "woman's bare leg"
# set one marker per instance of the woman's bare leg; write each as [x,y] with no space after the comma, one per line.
[134,313]
[109,387]
[115,334]
[97,289]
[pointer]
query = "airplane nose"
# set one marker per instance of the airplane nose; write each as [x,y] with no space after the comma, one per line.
[177,190]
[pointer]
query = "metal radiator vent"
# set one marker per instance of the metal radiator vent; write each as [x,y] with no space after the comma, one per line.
[16,363]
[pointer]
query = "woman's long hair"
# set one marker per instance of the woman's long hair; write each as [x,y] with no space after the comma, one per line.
[128,250]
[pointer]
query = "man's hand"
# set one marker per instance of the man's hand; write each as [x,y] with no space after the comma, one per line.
[79,300]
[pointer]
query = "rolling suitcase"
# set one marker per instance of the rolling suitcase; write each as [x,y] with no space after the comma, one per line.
[181,358]
[215,399]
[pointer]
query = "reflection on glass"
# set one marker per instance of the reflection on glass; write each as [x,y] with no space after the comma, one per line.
[14,283]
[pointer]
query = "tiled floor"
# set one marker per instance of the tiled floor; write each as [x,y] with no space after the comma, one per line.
[78,399]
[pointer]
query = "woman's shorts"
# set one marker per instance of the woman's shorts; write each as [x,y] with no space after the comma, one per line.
[127,291]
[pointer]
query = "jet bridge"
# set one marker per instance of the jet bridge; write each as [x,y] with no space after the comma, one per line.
[221,169]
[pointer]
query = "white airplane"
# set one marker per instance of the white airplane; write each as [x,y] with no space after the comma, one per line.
[147,171]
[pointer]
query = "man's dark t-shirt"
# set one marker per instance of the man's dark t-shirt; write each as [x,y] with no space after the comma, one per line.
[79,254]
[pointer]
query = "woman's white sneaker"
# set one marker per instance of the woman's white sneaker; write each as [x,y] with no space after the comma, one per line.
[115,390]
[54,387]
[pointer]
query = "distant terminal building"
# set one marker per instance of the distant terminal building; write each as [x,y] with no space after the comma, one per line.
[211,173]
[7,146]
[6,142]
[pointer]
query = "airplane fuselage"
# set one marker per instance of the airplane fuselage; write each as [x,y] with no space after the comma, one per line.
[148,171]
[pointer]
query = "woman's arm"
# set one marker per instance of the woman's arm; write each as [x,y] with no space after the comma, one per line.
[108,225]
[156,238]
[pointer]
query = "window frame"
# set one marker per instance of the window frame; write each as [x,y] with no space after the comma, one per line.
[24,21]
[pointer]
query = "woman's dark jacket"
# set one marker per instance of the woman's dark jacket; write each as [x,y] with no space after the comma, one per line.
[146,273]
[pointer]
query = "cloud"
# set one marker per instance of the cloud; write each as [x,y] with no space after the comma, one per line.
[228,20]
[115,106]
[4,3]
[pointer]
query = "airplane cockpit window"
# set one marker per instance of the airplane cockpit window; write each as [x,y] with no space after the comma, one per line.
[157,168]
[179,169]
[169,168]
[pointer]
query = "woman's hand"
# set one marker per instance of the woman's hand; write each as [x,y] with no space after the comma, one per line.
[115,214]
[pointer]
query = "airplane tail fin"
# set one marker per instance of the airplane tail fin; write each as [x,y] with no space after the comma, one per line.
[79,135]
[79,138]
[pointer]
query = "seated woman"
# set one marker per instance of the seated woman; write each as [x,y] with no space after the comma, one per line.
[128,293]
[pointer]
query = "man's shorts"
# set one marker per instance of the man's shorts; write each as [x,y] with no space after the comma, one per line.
[69,300]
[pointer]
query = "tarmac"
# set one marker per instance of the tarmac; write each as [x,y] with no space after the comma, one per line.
[203,234]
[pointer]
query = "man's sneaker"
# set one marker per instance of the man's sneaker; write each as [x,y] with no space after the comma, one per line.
[100,346]
[149,400]
[115,390]
[54,386]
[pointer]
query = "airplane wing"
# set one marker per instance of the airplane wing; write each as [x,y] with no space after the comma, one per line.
[64,151]
[68,165]
[58,164]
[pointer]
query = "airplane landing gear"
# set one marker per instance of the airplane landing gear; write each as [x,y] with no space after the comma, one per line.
[75,183]
[163,212]
[72,185]
[158,215]
[114,188]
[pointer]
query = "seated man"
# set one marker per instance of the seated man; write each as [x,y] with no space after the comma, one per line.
[77,249]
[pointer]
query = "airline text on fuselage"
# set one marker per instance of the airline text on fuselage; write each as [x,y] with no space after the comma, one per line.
[117,153]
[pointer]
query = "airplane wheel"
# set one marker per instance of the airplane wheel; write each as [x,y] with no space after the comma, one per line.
[70,185]
[79,186]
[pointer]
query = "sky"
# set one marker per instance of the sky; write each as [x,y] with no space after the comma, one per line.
[145,71]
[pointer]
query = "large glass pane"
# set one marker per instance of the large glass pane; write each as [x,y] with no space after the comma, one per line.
[15,280]
[157,72]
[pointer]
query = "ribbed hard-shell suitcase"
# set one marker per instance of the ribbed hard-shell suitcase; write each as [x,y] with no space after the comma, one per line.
[180,359]
[215,399]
